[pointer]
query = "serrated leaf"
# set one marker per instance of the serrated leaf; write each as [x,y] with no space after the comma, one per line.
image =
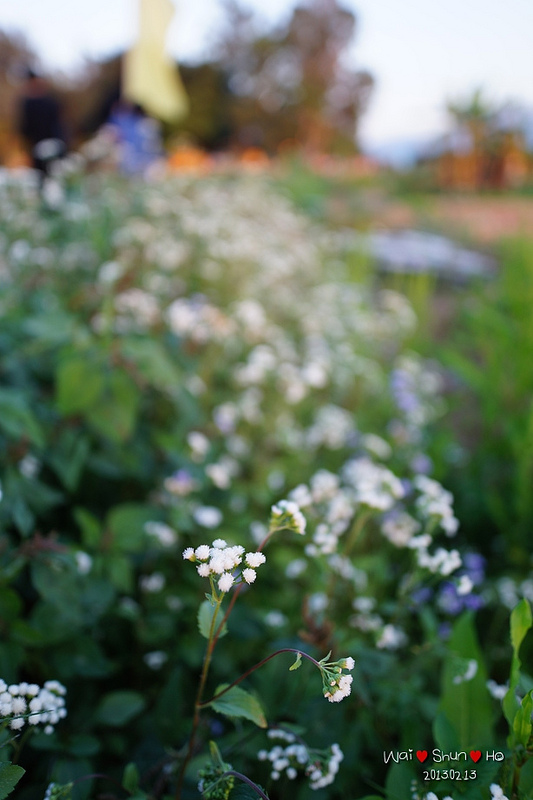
[236,702]
[205,618]
[10,775]
[297,664]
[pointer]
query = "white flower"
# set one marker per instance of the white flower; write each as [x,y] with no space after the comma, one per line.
[202,553]
[226,582]
[204,570]
[207,516]
[465,585]
[288,513]
[497,792]
[84,562]
[469,673]
[249,575]
[152,583]
[18,705]
[156,659]
[164,534]
[255,559]
[341,687]
[496,690]
[347,663]
[391,638]
[188,554]
[219,544]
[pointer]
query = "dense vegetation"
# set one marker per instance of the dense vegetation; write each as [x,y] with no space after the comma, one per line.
[189,368]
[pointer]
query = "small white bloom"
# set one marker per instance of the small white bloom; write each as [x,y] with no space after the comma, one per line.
[249,575]
[348,663]
[225,582]
[465,585]
[188,554]
[84,562]
[202,553]
[219,544]
[255,559]
[207,516]
[156,659]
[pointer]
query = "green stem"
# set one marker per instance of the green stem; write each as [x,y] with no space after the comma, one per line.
[355,532]
[211,642]
[256,666]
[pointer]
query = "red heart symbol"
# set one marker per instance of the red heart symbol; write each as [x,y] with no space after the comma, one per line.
[475,755]
[423,754]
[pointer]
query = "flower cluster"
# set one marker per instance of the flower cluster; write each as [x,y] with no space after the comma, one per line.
[28,702]
[320,766]
[58,791]
[336,684]
[287,514]
[221,559]
[435,503]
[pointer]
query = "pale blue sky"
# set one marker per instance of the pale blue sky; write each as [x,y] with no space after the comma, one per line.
[422,52]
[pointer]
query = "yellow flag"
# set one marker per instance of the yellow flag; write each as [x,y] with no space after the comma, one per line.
[150,76]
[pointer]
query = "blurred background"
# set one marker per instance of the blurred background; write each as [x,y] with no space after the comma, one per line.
[397,83]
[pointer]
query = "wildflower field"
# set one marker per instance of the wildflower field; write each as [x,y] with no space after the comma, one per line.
[266,512]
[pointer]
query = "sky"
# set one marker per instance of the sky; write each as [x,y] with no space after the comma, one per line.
[422,53]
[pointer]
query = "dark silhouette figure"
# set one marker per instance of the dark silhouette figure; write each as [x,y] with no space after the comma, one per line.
[40,124]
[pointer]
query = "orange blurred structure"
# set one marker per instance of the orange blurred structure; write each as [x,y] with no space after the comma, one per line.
[189,159]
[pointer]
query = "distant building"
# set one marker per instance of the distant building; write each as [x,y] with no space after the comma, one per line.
[486,156]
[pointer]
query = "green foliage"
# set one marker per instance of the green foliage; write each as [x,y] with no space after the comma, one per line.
[118,708]
[465,701]
[10,775]
[118,429]
[206,614]
[236,702]
[521,622]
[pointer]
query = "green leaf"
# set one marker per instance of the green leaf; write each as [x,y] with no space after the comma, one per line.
[118,708]
[522,722]
[242,791]
[205,617]
[398,781]
[91,530]
[10,775]
[444,733]
[297,664]
[79,383]
[130,778]
[466,704]
[115,414]
[521,621]
[126,523]
[16,418]
[236,702]
[69,456]
[153,363]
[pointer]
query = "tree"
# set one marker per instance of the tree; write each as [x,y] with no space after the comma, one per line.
[292,83]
